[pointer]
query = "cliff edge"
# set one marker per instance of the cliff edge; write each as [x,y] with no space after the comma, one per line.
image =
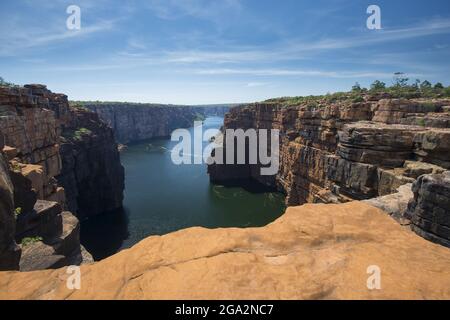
[315,251]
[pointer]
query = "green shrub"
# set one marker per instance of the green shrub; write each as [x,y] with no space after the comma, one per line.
[421,122]
[17,211]
[199,117]
[377,85]
[4,83]
[358,99]
[15,167]
[30,240]
[78,135]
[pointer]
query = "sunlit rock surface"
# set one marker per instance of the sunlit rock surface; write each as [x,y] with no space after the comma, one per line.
[316,251]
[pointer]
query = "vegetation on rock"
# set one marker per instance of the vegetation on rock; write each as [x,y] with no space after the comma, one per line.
[30,240]
[401,88]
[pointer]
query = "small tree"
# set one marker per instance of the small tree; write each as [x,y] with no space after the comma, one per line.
[425,85]
[400,80]
[447,91]
[416,84]
[439,86]
[377,85]
[6,83]
[356,87]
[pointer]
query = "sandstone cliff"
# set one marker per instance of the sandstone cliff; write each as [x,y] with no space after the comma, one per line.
[60,158]
[134,122]
[63,147]
[315,251]
[91,174]
[338,151]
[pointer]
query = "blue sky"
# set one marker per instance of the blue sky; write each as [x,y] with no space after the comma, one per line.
[219,51]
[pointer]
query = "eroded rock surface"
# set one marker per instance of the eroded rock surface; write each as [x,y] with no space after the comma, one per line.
[315,251]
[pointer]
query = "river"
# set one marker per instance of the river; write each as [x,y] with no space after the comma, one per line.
[161,197]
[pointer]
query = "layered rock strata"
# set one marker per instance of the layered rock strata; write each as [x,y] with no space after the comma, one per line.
[315,251]
[343,148]
[429,211]
[61,160]
[343,151]
[62,148]
[134,122]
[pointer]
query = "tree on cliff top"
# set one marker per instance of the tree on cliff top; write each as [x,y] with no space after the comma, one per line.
[377,85]
[4,83]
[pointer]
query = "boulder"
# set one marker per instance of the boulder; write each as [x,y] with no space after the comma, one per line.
[429,210]
[39,256]
[44,220]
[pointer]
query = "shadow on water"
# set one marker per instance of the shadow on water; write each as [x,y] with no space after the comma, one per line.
[103,235]
[249,185]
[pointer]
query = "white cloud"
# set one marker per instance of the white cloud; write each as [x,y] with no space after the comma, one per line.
[203,9]
[25,39]
[297,72]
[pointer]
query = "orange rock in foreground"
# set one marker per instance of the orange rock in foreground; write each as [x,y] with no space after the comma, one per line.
[311,252]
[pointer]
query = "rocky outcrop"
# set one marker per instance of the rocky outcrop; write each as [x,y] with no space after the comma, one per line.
[60,158]
[315,251]
[429,211]
[62,148]
[50,238]
[341,151]
[135,121]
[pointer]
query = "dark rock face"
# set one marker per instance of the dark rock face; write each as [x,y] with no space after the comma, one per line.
[9,251]
[91,171]
[134,122]
[429,211]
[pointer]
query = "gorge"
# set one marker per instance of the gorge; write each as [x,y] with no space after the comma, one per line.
[366,183]
[152,181]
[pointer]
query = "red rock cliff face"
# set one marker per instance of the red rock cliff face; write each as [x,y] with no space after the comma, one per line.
[337,152]
[60,158]
[64,148]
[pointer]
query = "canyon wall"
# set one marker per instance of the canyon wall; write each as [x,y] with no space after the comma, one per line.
[332,152]
[134,121]
[61,161]
[91,174]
